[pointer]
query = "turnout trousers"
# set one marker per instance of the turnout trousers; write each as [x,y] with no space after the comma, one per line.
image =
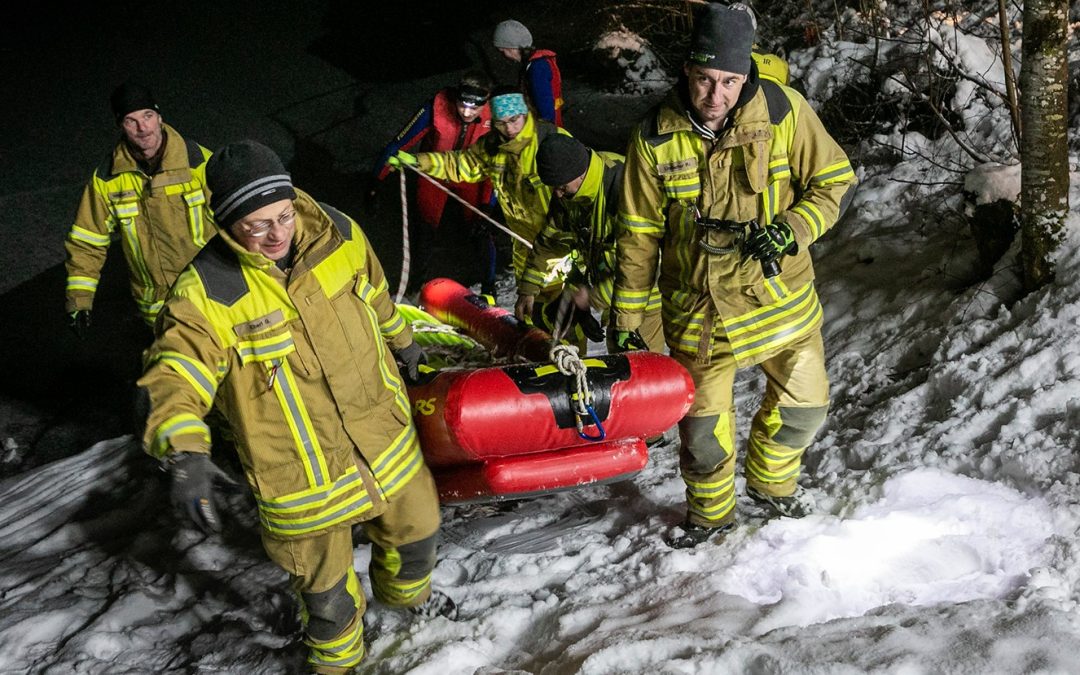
[320,568]
[793,408]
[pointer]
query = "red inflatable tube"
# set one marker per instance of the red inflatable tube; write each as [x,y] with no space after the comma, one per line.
[493,327]
[541,472]
[478,415]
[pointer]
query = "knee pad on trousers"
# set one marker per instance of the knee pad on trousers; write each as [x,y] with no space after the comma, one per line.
[418,558]
[798,425]
[329,612]
[700,438]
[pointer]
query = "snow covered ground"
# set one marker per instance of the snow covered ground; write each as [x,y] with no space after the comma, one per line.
[946,476]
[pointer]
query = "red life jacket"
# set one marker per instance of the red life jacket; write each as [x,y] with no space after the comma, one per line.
[556,81]
[449,133]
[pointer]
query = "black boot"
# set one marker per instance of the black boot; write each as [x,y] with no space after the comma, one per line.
[689,535]
[438,604]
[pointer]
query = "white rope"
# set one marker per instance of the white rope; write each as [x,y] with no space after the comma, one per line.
[403,283]
[566,359]
[472,208]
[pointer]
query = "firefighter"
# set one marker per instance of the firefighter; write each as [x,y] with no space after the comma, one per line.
[539,75]
[285,324]
[585,187]
[508,159]
[150,193]
[728,183]
[454,119]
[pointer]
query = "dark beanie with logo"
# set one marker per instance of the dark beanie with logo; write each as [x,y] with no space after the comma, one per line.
[128,98]
[561,159]
[722,39]
[244,177]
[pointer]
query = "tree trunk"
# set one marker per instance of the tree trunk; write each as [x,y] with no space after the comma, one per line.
[1044,182]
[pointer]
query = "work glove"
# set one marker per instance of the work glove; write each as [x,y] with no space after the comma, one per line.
[401,158]
[79,322]
[575,316]
[628,341]
[193,477]
[410,359]
[767,244]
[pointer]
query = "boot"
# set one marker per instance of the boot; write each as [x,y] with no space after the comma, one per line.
[689,535]
[437,604]
[796,505]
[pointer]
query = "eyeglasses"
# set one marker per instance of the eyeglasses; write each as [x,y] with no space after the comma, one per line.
[262,227]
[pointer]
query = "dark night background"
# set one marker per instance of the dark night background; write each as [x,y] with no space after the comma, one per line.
[326,84]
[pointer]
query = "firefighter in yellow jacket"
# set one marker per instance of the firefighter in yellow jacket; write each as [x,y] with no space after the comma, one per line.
[728,182]
[284,323]
[508,158]
[151,194]
[585,187]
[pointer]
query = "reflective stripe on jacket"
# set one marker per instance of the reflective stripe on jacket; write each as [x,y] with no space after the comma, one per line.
[776,162]
[299,365]
[511,166]
[161,220]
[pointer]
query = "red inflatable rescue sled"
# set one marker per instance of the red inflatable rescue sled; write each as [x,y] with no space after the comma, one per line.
[512,431]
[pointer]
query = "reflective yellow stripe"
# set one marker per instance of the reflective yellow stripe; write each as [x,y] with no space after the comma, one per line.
[196,374]
[392,326]
[639,225]
[833,173]
[812,215]
[775,325]
[277,346]
[93,238]
[177,425]
[195,201]
[296,414]
[76,283]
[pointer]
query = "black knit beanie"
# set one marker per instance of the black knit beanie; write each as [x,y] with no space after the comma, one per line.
[723,37]
[129,97]
[561,159]
[244,177]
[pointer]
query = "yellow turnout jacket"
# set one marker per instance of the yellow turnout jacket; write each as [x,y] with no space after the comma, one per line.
[775,162]
[300,366]
[161,220]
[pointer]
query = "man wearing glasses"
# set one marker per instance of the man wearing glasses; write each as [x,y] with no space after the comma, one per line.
[454,119]
[284,324]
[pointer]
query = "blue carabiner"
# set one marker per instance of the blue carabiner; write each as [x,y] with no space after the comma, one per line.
[596,422]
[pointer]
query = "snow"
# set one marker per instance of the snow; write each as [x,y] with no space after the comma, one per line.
[946,476]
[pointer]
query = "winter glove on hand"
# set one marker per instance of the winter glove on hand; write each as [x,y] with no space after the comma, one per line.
[401,158]
[193,477]
[411,357]
[629,341]
[769,243]
[576,316]
[79,322]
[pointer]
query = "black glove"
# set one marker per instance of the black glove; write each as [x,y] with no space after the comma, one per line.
[193,477]
[628,341]
[767,244]
[576,316]
[410,359]
[79,322]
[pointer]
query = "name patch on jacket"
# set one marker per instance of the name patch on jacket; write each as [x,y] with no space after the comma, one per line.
[678,166]
[260,324]
[123,196]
